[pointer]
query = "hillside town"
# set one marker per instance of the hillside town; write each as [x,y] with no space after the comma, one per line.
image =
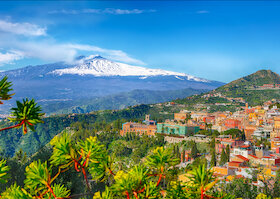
[254,153]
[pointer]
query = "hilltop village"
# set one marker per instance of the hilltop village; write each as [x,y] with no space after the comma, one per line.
[244,144]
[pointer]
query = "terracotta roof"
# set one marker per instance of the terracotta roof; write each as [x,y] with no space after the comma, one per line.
[244,146]
[242,157]
[266,157]
[253,156]
[235,162]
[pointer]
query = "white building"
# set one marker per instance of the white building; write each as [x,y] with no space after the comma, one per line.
[243,150]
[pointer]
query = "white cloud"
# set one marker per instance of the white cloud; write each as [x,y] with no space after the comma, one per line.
[202,12]
[53,52]
[63,11]
[117,55]
[10,57]
[46,48]
[114,11]
[26,29]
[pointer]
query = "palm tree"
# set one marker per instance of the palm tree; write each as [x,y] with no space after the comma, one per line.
[161,160]
[5,88]
[203,179]
[26,114]
[131,183]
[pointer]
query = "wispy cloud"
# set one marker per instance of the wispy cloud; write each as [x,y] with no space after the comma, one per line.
[113,11]
[26,29]
[10,57]
[52,51]
[46,48]
[202,12]
[117,55]
[63,11]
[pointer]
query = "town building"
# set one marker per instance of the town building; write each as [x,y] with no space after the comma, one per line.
[173,128]
[148,121]
[262,132]
[276,128]
[181,116]
[243,150]
[222,142]
[232,124]
[139,129]
[275,144]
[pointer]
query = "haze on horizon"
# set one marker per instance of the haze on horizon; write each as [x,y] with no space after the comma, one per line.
[214,40]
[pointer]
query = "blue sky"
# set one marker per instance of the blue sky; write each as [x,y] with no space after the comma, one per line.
[214,40]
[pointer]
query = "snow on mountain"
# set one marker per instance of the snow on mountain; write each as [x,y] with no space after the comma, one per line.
[99,66]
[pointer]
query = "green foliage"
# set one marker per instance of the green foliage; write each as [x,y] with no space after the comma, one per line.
[131,182]
[242,188]
[63,151]
[276,186]
[235,133]
[5,88]
[194,150]
[213,161]
[27,114]
[107,194]
[228,153]
[14,192]
[101,168]
[91,150]
[60,191]
[176,190]
[223,158]
[119,148]
[161,159]
[201,175]
[203,179]
[3,171]
[38,177]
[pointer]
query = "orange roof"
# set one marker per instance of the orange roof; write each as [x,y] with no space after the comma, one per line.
[235,162]
[253,156]
[266,156]
[242,157]
[244,146]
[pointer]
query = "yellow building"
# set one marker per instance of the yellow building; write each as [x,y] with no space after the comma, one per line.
[276,128]
[275,143]
[180,116]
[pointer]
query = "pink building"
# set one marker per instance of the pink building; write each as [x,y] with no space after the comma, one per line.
[223,142]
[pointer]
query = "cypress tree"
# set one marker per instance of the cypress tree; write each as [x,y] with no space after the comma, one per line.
[194,150]
[223,158]
[184,155]
[177,151]
[213,158]
[212,143]
[228,153]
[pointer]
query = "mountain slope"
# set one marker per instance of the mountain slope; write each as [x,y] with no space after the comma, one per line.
[119,101]
[256,79]
[252,88]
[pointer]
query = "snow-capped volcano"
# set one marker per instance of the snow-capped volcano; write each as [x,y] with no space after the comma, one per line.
[99,66]
[94,77]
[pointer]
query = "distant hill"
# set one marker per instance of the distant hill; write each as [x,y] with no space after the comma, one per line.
[258,78]
[252,88]
[118,101]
